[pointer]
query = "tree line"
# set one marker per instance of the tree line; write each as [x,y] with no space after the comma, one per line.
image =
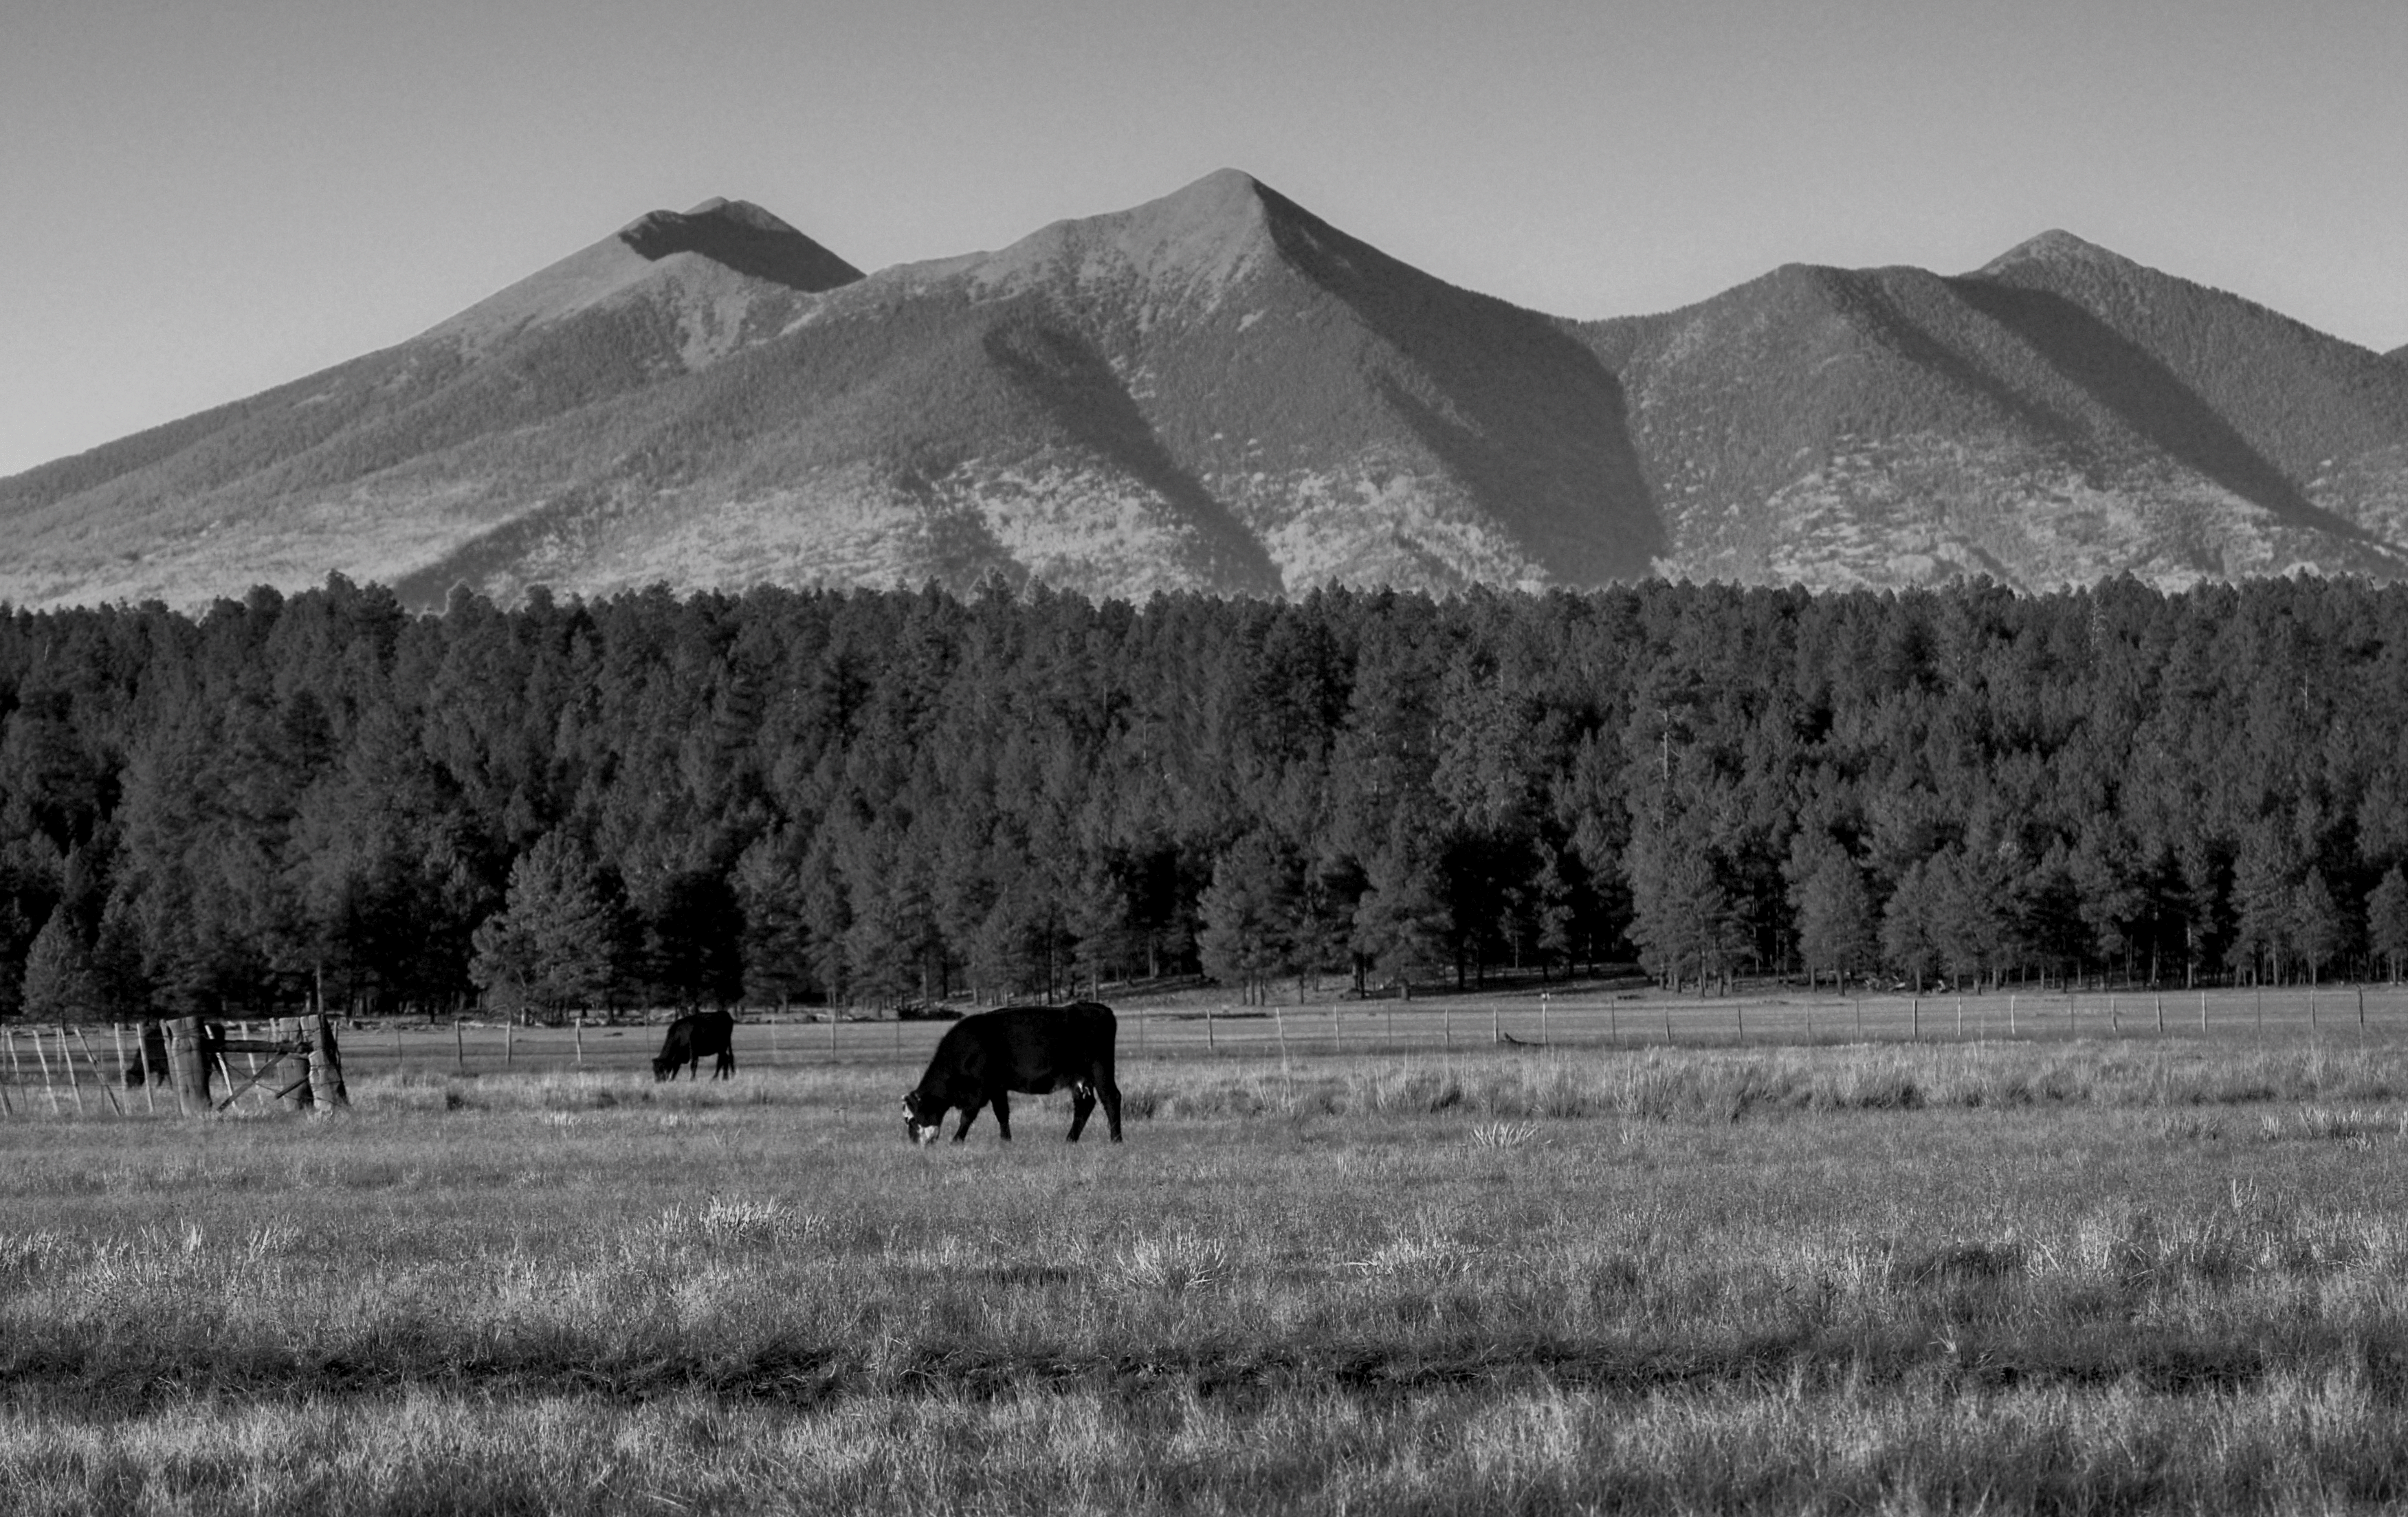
[867,797]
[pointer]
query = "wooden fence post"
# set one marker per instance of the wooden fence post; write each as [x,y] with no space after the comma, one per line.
[2010,1013]
[1917,1013]
[576,1021]
[66,1059]
[1211,1044]
[326,1091]
[94,1064]
[49,1091]
[250,1057]
[459,1045]
[509,1038]
[192,1061]
[292,1094]
[2202,1011]
[167,1030]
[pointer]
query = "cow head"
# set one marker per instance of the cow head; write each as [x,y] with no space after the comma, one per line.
[663,1067]
[919,1120]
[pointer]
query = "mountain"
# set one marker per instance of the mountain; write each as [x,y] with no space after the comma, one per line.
[360,467]
[2059,415]
[1219,391]
[1215,390]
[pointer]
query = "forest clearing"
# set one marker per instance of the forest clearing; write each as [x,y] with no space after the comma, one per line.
[2158,1272]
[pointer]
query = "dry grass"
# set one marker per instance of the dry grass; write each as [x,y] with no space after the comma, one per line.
[2007,1277]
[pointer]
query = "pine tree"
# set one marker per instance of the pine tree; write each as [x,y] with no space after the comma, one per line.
[549,945]
[1401,923]
[775,941]
[2386,919]
[1246,912]
[2318,931]
[1097,918]
[59,983]
[1835,916]
[1551,911]
[118,980]
[1906,936]
[2262,908]
[1683,913]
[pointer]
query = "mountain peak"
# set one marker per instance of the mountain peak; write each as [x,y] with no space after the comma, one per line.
[737,213]
[2057,249]
[744,237]
[1202,237]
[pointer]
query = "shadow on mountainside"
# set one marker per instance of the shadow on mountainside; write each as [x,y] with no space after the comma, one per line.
[2151,400]
[566,519]
[1887,320]
[1079,390]
[782,257]
[1539,430]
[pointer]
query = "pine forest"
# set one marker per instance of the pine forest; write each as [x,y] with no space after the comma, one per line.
[885,799]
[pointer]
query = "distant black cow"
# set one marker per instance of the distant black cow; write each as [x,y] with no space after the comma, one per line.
[1035,1049]
[692,1038]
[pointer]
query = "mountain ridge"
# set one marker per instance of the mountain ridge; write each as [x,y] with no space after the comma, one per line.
[1217,390]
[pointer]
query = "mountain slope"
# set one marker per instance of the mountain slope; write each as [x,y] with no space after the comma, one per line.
[283,487]
[2059,415]
[1219,391]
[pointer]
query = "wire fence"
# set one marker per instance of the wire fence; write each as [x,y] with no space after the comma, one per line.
[94,1070]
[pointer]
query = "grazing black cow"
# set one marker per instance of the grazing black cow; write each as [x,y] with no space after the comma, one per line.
[1035,1049]
[691,1039]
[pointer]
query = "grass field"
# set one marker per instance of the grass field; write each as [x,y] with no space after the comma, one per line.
[2067,1275]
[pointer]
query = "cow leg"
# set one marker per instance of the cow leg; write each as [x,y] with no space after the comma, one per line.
[726,1069]
[1003,1115]
[969,1114]
[1112,1094]
[1082,1105]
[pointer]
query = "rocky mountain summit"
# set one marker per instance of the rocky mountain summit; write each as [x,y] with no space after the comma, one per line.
[1218,391]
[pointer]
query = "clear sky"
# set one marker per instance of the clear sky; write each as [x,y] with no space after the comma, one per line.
[206,199]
